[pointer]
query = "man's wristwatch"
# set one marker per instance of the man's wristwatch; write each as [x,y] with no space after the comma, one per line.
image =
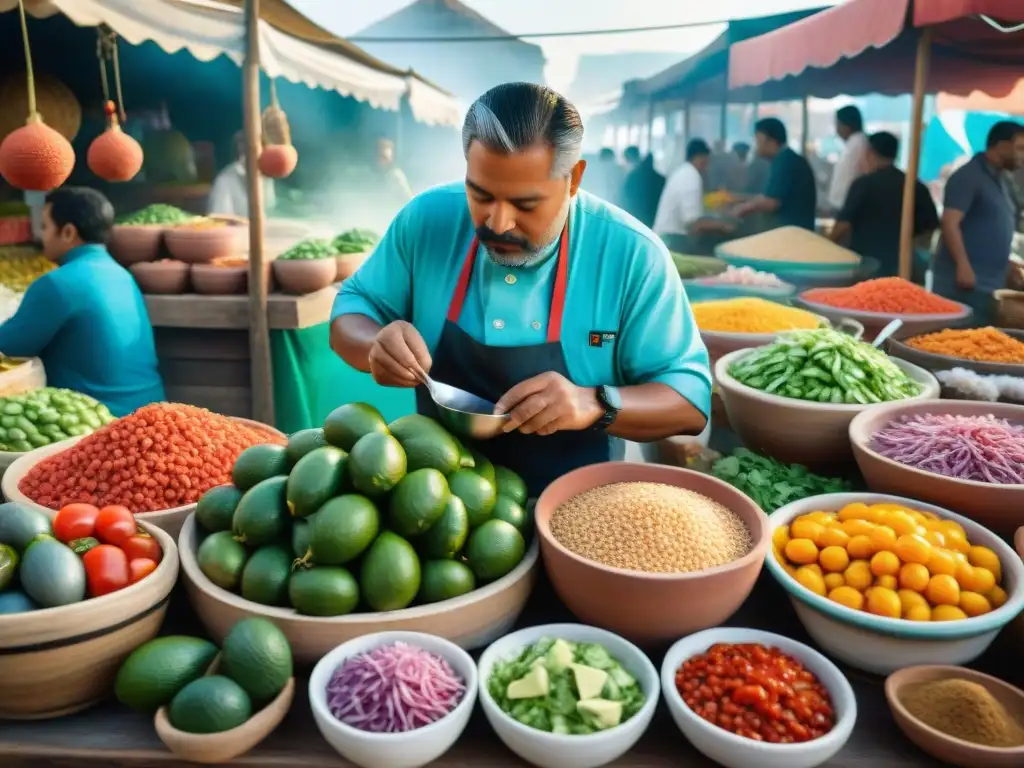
[611,401]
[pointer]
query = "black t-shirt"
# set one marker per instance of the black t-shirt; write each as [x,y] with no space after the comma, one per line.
[792,183]
[873,209]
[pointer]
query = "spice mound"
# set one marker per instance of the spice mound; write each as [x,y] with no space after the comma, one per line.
[751,315]
[889,295]
[161,456]
[982,345]
[650,527]
[748,276]
[757,692]
[964,710]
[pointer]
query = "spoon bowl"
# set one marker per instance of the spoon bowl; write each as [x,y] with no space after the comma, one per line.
[464,413]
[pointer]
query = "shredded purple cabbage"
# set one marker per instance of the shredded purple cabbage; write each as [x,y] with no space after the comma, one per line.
[980,448]
[393,688]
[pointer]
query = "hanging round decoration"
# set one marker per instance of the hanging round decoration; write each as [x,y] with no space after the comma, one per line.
[279,157]
[114,155]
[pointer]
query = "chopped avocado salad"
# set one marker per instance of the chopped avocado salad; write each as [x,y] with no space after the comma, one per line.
[560,686]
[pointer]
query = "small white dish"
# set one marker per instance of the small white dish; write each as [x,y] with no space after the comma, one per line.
[734,751]
[411,749]
[555,750]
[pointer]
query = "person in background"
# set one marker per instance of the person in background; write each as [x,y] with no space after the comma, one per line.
[229,194]
[739,171]
[871,217]
[680,220]
[631,157]
[641,191]
[606,176]
[1017,180]
[853,162]
[758,171]
[978,221]
[86,320]
[393,180]
[791,193]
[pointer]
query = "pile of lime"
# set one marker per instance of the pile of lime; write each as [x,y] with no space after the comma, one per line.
[361,514]
[48,415]
[158,214]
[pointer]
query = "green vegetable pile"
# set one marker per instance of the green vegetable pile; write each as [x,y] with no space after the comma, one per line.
[824,366]
[690,267]
[770,483]
[310,249]
[355,241]
[158,214]
[48,415]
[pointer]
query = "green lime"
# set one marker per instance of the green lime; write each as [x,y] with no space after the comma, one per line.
[494,549]
[443,580]
[511,512]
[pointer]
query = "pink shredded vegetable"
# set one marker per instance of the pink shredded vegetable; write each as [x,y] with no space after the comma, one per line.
[980,448]
[394,688]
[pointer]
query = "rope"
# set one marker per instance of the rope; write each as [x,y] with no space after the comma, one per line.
[101,55]
[32,113]
[273,94]
[117,75]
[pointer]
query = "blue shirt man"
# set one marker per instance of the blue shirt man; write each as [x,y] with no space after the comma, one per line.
[791,193]
[86,320]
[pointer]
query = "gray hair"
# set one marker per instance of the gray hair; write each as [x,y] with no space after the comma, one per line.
[511,117]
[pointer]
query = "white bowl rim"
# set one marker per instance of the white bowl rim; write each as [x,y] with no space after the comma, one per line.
[337,656]
[564,631]
[856,314]
[686,648]
[901,628]
[898,405]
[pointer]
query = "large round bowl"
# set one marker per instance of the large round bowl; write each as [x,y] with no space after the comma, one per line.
[997,507]
[410,749]
[195,245]
[874,322]
[347,264]
[470,621]
[720,343]
[554,750]
[56,661]
[799,431]
[649,607]
[161,277]
[734,751]
[132,243]
[930,361]
[882,645]
[302,276]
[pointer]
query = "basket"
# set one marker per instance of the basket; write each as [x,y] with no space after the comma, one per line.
[1009,308]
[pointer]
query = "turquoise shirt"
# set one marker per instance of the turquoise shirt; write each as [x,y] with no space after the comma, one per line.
[87,320]
[622,286]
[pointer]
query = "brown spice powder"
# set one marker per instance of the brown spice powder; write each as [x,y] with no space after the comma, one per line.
[964,710]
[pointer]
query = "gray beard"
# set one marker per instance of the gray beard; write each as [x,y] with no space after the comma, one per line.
[514,260]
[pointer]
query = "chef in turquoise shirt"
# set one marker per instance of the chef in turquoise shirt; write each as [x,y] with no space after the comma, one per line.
[530,293]
[86,319]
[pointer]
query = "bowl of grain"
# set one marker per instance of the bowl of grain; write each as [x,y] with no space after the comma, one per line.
[648,551]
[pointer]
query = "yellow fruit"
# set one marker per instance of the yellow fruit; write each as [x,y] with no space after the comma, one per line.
[833,580]
[822,518]
[889,582]
[943,590]
[834,559]
[942,562]
[885,564]
[834,536]
[983,557]
[858,527]
[901,522]
[974,604]
[980,580]
[883,537]
[883,602]
[860,547]
[801,551]
[789,569]
[935,538]
[858,575]
[778,554]
[914,576]
[997,597]
[947,613]
[918,613]
[811,579]
[911,548]
[952,527]
[780,536]
[909,598]
[956,540]
[847,596]
[854,511]
[806,528]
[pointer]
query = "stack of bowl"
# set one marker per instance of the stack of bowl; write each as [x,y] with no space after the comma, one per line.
[206,239]
[134,243]
[874,322]
[163,277]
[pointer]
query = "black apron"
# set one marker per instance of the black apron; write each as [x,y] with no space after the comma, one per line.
[489,372]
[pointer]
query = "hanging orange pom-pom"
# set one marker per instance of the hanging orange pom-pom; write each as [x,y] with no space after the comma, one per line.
[36,157]
[114,155]
[278,160]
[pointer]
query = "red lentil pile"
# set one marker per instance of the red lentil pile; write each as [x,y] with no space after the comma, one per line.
[161,456]
[889,295]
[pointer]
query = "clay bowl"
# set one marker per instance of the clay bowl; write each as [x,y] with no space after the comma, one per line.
[302,276]
[649,608]
[798,431]
[1018,541]
[997,507]
[132,243]
[348,263]
[202,245]
[930,361]
[56,661]
[163,277]
[942,746]
[470,621]
[874,322]
[211,280]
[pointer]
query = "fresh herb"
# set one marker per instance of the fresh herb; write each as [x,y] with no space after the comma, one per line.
[355,241]
[770,483]
[157,214]
[312,248]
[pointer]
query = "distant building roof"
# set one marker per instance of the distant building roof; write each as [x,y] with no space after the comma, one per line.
[598,75]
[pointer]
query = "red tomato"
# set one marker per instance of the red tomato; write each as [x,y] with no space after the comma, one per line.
[142,546]
[115,525]
[106,569]
[140,568]
[75,521]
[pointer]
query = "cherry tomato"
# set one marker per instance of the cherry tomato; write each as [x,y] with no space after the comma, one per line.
[106,569]
[140,568]
[75,521]
[142,546]
[115,525]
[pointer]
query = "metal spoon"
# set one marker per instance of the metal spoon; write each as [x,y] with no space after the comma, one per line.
[885,333]
[456,399]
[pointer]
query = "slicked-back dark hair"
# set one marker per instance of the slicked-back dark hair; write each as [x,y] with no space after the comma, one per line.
[87,210]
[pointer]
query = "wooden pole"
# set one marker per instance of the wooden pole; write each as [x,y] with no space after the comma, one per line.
[924,45]
[805,126]
[650,125]
[686,121]
[259,330]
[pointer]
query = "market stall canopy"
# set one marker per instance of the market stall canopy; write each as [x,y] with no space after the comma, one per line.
[1012,103]
[868,46]
[209,29]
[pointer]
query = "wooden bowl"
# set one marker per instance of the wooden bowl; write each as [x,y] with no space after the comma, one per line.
[999,508]
[210,280]
[131,243]
[470,621]
[644,607]
[302,276]
[930,361]
[162,277]
[348,263]
[941,745]
[56,661]
[199,246]
[874,322]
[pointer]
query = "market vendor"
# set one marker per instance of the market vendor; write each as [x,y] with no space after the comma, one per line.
[229,194]
[681,221]
[87,319]
[531,293]
[790,197]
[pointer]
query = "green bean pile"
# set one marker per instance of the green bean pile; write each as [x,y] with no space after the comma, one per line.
[824,366]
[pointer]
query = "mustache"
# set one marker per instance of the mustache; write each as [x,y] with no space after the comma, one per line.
[488,236]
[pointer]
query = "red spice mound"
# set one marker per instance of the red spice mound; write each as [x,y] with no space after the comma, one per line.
[892,295]
[162,456]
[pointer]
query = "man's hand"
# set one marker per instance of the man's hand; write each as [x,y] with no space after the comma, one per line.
[965,279]
[549,403]
[398,355]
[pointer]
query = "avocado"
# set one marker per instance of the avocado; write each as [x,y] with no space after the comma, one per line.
[344,527]
[390,574]
[154,672]
[589,680]
[216,508]
[265,576]
[443,580]
[301,530]
[221,559]
[257,656]
[603,713]
[417,502]
[432,451]
[316,478]
[414,426]
[13,601]
[532,685]
[302,442]
[51,574]
[510,485]
[559,656]
[346,424]
[376,464]
[324,590]
[211,704]
[259,463]
[20,524]
[262,514]
[446,537]
[476,492]
[482,466]
[8,565]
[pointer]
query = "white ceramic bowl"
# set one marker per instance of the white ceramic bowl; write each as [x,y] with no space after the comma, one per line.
[882,645]
[734,751]
[411,749]
[552,750]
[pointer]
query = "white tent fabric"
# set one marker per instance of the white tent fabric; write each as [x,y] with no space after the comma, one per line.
[208,29]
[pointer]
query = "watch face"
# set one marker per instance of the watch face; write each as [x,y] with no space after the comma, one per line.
[612,398]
